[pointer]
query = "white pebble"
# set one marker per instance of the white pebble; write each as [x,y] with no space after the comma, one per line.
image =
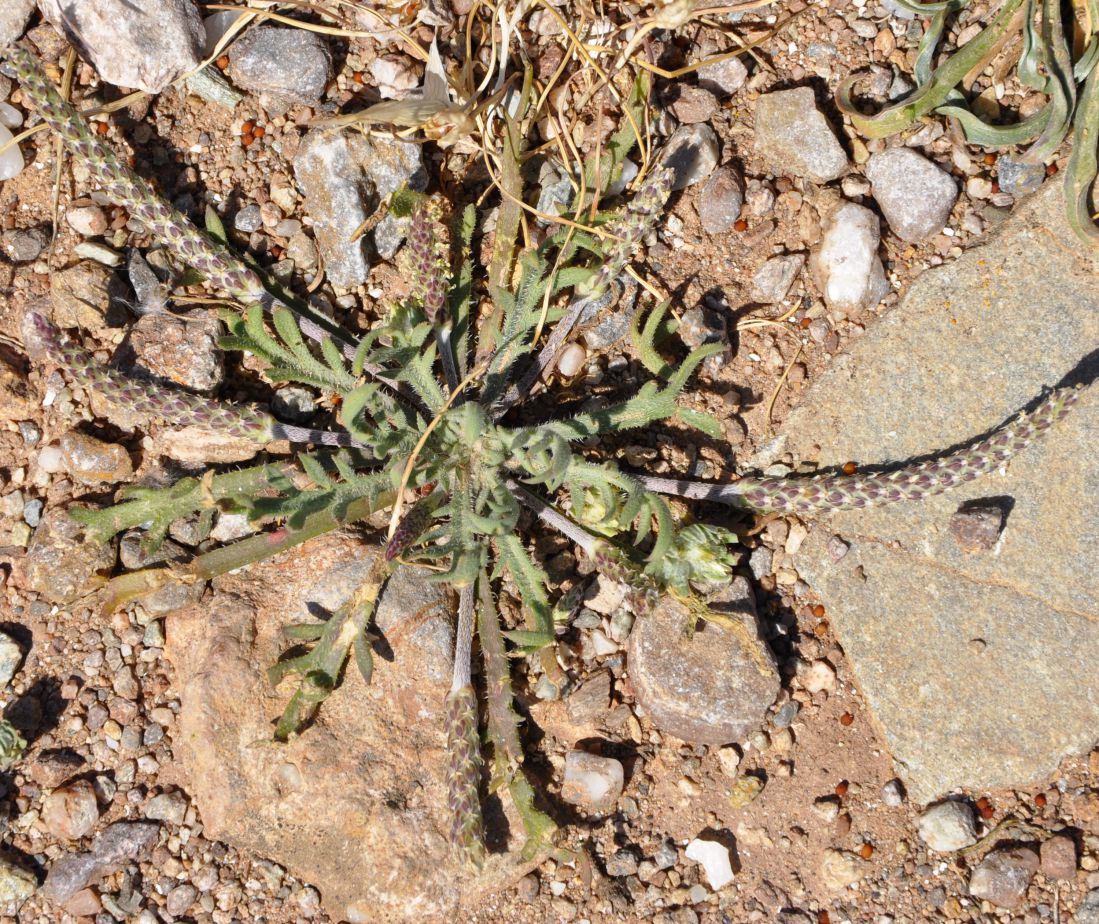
[87,221]
[847,264]
[713,857]
[11,161]
[50,460]
[10,117]
[819,676]
[571,360]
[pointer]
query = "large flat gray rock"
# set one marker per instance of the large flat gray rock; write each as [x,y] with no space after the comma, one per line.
[980,667]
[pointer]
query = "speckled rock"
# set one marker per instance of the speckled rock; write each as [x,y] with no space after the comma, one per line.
[723,77]
[1088,910]
[694,104]
[282,64]
[370,771]
[915,196]
[123,842]
[771,282]
[14,16]
[59,564]
[16,886]
[710,687]
[180,350]
[720,201]
[10,656]
[794,138]
[922,621]
[143,45]
[840,869]
[91,461]
[344,175]
[1004,876]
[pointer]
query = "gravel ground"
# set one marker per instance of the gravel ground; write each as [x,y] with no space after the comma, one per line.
[818,826]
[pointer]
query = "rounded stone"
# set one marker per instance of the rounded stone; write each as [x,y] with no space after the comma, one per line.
[71,811]
[915,196]
[703,683]
[948,826]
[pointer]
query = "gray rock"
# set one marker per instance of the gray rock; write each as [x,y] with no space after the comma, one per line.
[344,175]
[59,564]
[82,295]
[16,886]
[14,16]
[771,282]
[948,826]
[123,842]
[212,87]
[591,782]
[622,863]
[692,153]
[1088,912]
[794,138]
[140,45]
[915,196]
[300,804]
[953,718]
[1017,178]
[723,77]
[248,219]
[168,806]
[181,350]
[294,403]
[847,267]
[720,201]
[24,245]
[1004,876]
[10,656]
[283,65]
[712,686]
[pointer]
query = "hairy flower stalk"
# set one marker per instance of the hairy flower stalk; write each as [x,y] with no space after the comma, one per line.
[218,265]
[153,402]
[839,492]
[629,231]
[464,742]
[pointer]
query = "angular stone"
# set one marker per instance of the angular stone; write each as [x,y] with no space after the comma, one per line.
[723,77]
[971,344]
[10,656]
[713,857]
[93,462]
[143,45]
[1058,856]
[283,65]
[694,104]
[14,15]
[344,175]
[123,842]
[592,782]
[82,295]
[60,565]
[181,350]
[771,282]
[794,138]
[16,886]
[368,772]
[1004,876]
[712,685]
[847,267]
[840,869]
[915,196]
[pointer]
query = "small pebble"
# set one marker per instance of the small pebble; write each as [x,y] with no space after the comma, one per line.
[88,220]
[713,857]
[948,826]
[591,782]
